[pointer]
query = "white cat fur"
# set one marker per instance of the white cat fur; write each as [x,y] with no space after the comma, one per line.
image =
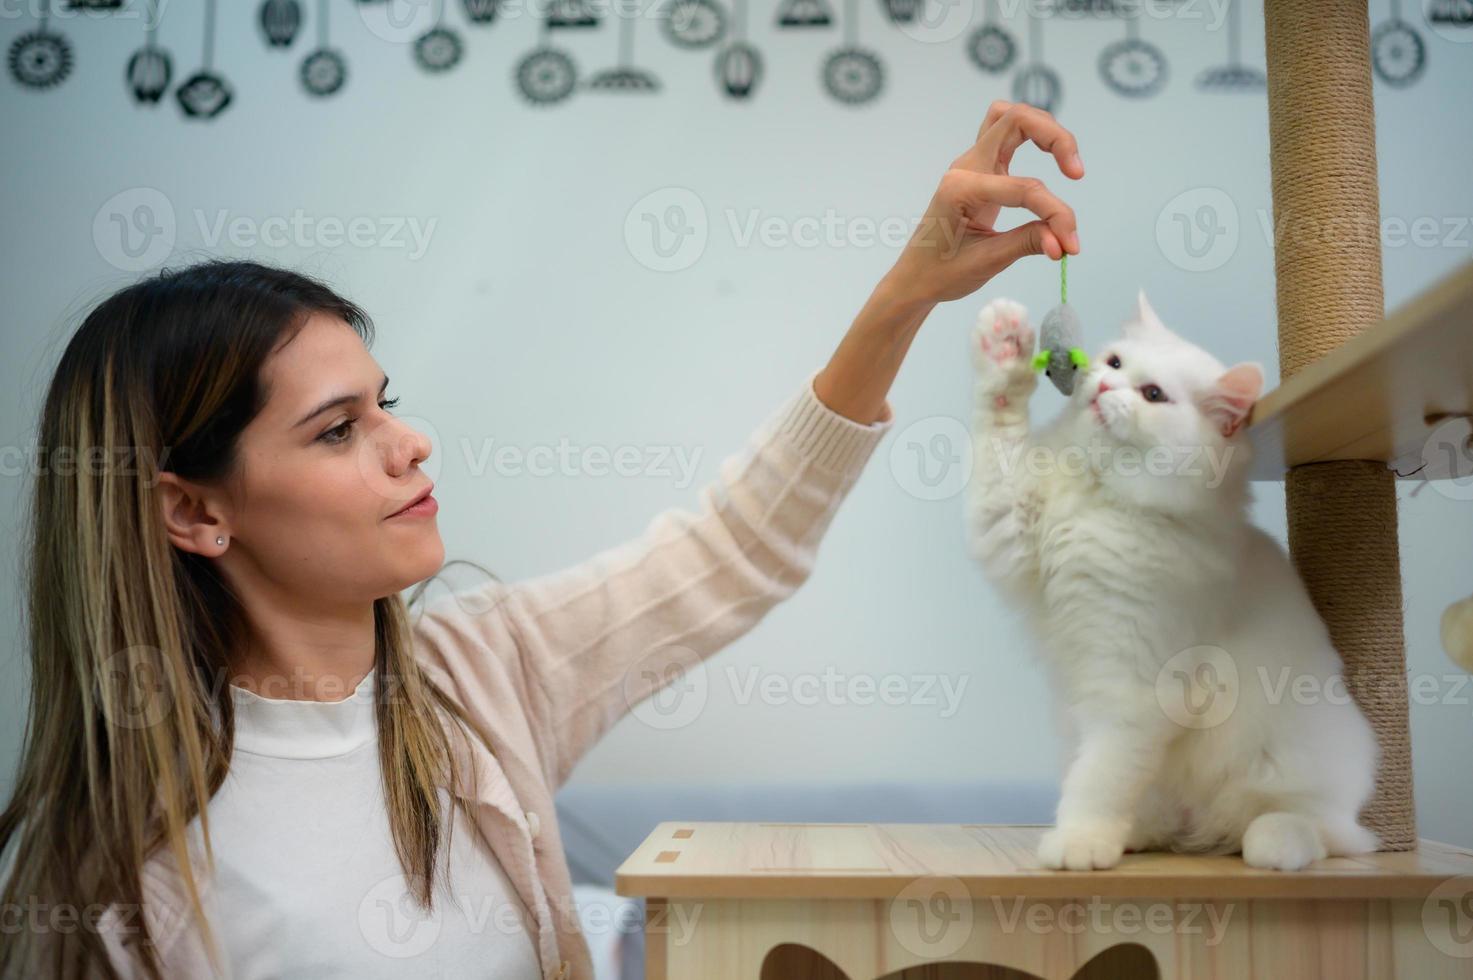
[1145,584]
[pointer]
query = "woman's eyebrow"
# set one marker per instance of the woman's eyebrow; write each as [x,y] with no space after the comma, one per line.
[335,401]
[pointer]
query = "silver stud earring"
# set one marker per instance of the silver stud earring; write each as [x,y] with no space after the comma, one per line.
[220,540]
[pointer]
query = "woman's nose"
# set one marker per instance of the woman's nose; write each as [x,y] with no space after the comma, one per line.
[405,447]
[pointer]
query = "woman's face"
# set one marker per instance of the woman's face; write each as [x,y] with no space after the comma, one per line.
[324,467]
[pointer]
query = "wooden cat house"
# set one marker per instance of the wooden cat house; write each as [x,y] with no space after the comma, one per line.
[1361,396]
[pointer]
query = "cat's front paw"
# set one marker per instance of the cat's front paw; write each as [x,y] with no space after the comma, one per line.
[1282,842]
[1002,348]
[1080,847]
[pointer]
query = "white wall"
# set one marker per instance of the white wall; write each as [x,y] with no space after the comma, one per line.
[530,318]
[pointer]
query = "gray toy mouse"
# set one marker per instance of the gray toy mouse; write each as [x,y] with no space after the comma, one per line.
[1061,353]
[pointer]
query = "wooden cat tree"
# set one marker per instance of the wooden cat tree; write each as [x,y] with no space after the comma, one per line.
[1360,392]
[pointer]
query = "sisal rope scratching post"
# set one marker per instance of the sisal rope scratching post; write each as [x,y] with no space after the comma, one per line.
[1327,263]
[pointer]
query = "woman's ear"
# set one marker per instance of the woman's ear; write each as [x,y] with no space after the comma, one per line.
[1228,402]
[189,516]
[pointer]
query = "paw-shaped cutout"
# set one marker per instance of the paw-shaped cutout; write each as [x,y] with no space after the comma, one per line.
[788,960]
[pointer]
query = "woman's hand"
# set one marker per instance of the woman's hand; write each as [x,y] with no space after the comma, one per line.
[955,248]
[953,251]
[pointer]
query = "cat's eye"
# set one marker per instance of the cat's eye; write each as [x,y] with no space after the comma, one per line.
[1114,361]
[1153,393]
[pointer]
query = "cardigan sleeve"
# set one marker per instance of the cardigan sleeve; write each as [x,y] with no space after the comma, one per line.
[596,639]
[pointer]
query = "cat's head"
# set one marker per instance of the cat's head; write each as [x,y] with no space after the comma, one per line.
[1167,416]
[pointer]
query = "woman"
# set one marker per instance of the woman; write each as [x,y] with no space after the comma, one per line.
[243,757]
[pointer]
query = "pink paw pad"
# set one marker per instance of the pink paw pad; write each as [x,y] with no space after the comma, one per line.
[1001,401]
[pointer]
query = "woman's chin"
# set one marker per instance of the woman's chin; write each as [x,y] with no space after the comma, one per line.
[420,559]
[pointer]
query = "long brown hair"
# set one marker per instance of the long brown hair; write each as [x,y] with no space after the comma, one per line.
[130,727]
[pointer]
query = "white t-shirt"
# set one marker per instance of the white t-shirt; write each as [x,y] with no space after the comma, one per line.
[307,881]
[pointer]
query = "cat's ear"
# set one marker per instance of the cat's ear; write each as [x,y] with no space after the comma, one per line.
[1227,403]
[1144,322]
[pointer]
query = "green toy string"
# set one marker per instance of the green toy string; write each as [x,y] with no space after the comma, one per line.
[1064,278]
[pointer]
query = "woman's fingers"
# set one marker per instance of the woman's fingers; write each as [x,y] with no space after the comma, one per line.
[959,220]
[1032,238]
[1007,126]
[977,194]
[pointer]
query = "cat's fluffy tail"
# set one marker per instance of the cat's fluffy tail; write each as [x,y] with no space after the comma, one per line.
[1347,837]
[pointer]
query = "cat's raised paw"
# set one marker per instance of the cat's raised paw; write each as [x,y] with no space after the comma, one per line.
[1080,849]
[1002,345]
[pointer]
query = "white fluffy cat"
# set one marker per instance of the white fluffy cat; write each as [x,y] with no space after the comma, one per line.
[1205,701]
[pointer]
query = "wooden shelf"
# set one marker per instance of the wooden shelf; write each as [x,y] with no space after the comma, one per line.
[1370,398]
[872,861]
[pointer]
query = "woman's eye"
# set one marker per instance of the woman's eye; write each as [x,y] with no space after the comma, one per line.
[339,433]
[1154,393]
[1114,361]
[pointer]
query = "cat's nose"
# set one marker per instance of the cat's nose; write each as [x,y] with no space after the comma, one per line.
[1104,387]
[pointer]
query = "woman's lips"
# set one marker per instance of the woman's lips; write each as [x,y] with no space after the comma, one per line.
[426,506]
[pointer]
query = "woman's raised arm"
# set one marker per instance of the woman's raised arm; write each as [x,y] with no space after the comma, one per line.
[582,646]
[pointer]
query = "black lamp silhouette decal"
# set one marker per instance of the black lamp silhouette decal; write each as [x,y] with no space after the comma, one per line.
[324,70]
[1037,84]
[546,75]
[1133,67]
[1233,76]
[625,76]
[280,20]
[991,47]
[739,64]
[205,94]
[852,74]
[150,68]
[41,58]
[481,11]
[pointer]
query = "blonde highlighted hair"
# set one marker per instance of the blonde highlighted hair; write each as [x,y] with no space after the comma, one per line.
[130,723]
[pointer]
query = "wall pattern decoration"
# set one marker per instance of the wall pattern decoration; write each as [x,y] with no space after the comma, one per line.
[852,74]
[41,58]
[205,94]
[150,68]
